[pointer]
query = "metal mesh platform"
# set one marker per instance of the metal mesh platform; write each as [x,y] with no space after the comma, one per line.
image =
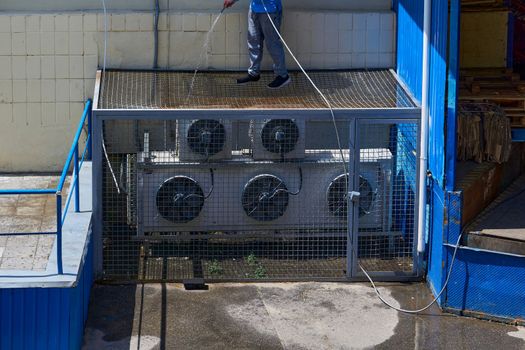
[377,89]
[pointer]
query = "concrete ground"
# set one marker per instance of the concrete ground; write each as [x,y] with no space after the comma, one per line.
[281,316]
[27,214]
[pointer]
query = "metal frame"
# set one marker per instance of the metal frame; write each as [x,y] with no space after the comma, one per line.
[354,115]
[73,157]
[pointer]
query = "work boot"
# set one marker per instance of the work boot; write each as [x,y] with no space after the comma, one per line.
[280,82]
[248,79]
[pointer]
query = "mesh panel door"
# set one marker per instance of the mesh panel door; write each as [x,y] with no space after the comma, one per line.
[386,178]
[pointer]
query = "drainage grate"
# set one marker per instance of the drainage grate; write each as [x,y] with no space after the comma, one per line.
[376,89]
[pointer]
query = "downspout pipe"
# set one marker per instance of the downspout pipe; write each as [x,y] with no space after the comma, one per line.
[156,35]
[423,160]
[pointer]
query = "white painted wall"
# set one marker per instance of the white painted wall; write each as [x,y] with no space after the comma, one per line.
[48,62]
[186,5]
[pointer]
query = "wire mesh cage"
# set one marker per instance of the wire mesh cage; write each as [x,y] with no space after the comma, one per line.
[256,196]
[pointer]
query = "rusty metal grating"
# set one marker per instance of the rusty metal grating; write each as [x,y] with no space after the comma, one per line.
[375,89]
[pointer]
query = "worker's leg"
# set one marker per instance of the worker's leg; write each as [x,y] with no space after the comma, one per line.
[255,43]
[273,42]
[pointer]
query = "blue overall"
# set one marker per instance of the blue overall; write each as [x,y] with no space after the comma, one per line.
[260,29]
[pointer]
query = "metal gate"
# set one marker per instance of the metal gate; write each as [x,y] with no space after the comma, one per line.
[288,194]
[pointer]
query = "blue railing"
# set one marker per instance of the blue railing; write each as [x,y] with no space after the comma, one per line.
[73,157]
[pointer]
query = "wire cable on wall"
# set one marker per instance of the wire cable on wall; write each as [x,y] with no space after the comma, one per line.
[378,293]
[105,35]
[102,87]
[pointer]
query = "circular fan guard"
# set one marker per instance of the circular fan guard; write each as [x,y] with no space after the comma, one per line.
[180,199]
[206,137]
[337,196]
[265,198]
[280,136]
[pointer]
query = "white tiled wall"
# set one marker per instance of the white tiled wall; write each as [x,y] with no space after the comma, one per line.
[48,63]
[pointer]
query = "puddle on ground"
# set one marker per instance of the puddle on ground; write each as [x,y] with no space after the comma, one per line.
[331,316]
[95,340]
[519,333]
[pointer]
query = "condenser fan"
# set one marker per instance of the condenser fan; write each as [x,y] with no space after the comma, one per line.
[338,196]
[265,198]
[206,137]
[280,136]
[180,199]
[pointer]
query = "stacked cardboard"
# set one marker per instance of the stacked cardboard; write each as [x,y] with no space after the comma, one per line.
[484,133]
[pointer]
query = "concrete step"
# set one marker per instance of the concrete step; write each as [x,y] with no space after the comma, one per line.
[501,226]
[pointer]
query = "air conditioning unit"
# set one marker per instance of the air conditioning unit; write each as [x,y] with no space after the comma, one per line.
[276,139]
[204,140]
[249,196]
[233,196]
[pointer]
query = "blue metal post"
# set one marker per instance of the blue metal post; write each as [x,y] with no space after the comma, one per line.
[76,180]
[90,133]
[59,234]
[452,100]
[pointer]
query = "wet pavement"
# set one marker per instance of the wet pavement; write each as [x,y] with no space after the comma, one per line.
[27,214]
[281,316]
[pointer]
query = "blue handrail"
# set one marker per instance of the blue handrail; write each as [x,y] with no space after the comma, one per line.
[38,191]
[73,156]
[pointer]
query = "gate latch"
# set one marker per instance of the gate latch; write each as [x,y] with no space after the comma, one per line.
[354,196]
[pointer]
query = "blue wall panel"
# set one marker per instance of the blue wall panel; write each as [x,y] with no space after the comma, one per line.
[487,283]
[46,318]
[409,43]
[409,68]
[438,84]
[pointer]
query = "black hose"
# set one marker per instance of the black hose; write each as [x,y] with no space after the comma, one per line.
[156,36]
[212,176]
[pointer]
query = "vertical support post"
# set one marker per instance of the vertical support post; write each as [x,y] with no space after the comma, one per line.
[423,166]
[59,234]
[97,195]
[352,222]
[90,132]
[76,179]
[452,100]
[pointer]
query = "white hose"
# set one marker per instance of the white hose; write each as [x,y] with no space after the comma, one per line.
[105,35]
[328,104]
[102,87]
[344,163]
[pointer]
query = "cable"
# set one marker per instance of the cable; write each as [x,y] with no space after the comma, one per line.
[433,301]
[105,35]
[345,168]
[327,102]
[121,175]
[212,177]
[109,163]
[103,72]
[275,191]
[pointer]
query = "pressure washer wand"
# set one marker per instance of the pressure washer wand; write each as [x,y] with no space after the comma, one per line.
[224,7]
